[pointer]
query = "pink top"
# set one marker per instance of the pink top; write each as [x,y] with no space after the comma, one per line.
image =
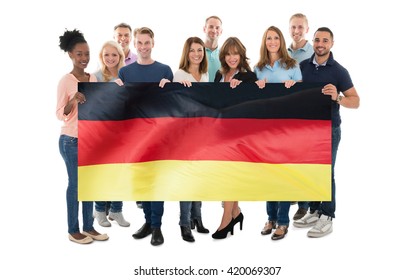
[67,88]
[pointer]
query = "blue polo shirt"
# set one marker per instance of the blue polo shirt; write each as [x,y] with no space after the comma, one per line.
[330,73]
[278,73]
[301,54]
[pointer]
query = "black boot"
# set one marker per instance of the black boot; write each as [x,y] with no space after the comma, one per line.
[157,238]
[198,223]
[144,231]
[186,234]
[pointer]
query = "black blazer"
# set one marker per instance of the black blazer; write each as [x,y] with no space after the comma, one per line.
[247,76]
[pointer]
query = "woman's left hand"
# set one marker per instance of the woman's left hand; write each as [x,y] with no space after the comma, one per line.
[289,83]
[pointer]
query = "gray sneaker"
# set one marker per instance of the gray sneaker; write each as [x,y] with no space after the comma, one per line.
[323,227]
[101,219]
[308,220]
[119,218]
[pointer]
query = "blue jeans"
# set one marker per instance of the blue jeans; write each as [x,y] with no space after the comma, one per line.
[278,211]
[327,208]
[189,210]
[303,204]
[153,211]
[115,206]
[68,147]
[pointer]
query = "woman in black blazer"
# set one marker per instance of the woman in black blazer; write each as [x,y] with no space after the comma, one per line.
[234,70]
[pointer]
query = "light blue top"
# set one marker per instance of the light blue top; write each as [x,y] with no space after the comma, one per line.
[99,76]
[277,74]
[213,63]
[301,54]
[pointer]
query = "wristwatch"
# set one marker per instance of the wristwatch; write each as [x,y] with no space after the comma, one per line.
[339,98]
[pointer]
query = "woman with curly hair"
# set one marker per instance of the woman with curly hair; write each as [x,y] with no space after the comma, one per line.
[74,43]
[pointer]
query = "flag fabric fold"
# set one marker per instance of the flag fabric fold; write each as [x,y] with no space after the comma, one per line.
[206,142]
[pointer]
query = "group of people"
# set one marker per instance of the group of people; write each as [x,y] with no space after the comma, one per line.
[201,61]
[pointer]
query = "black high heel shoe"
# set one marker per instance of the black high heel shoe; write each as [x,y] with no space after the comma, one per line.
[238,219]
[221,234]
[198,223]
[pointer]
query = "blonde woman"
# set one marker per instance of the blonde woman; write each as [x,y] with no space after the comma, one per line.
[111,58]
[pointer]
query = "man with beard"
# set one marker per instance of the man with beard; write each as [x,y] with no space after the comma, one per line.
[322,68]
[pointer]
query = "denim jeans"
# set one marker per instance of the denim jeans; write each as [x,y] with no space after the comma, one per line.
[278,211]
[115,206]
[68,147]
[328,207]
[189,210]
[303,204]
[153,211]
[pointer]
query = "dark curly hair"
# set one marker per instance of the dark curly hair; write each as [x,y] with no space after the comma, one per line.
[70,38]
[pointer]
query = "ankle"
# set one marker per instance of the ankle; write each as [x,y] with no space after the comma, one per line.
[78,235]
[93,232]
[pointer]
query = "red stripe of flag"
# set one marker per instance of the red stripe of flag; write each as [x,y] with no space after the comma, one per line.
[204,138]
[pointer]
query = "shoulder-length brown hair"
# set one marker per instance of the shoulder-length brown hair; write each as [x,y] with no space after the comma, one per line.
[185,62]
[286,61]
[233,45]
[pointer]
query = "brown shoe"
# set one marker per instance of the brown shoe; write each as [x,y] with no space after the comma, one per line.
[300,214]
[280,232]
[268,227]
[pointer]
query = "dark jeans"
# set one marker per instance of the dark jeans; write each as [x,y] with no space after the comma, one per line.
[328,207]
[153,211]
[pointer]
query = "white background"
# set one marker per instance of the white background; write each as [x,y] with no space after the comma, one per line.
[374,222]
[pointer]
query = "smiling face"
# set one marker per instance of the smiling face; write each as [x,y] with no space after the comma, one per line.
[110,57]
[272,41]
[322,43]
[232,59]
[298,28]
[144,44]
[80,55]
[196,53]
[213,29]
[123,36]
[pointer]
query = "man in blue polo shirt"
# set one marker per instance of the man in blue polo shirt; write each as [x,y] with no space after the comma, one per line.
[322,68]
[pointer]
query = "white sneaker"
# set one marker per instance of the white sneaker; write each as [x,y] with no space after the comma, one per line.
[119,218]
[101,218]
[323,227]
[308,220]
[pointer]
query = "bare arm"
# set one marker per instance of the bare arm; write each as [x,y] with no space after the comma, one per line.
[349,100]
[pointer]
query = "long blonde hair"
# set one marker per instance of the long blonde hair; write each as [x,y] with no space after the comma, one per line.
[286,61]
[106,74]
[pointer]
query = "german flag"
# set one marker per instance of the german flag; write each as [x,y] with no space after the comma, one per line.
[207,142]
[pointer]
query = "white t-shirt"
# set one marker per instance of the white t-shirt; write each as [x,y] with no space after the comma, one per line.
[181,75]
